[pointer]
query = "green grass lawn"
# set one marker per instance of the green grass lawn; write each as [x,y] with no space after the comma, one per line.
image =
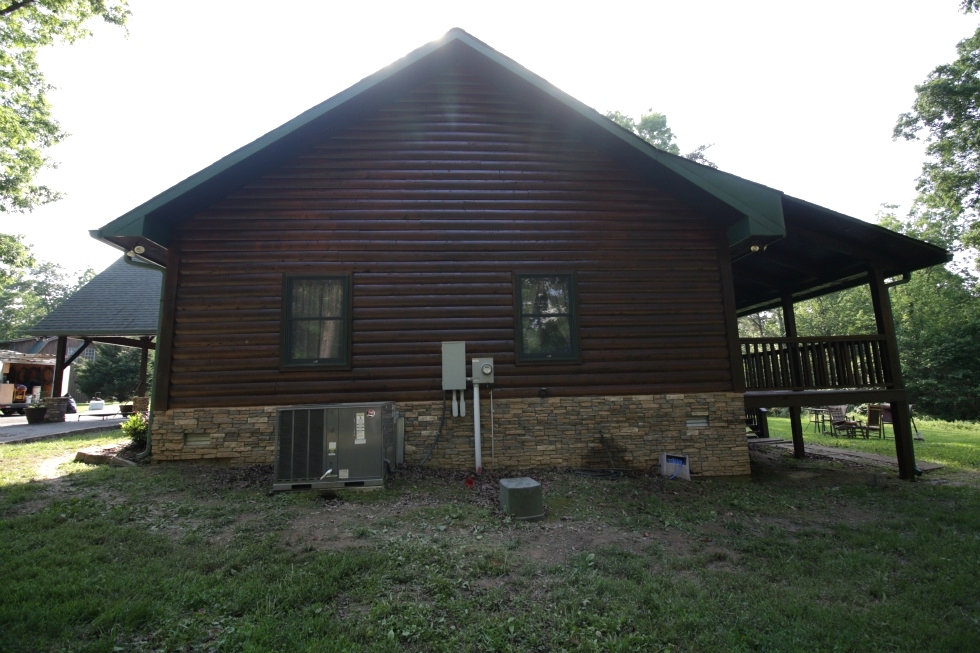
[805,556]
[953,444]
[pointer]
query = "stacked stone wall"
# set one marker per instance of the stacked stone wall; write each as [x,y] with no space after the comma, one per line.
[240,436]
[589,432]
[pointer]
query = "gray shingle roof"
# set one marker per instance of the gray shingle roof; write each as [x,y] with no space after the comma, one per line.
[123,300]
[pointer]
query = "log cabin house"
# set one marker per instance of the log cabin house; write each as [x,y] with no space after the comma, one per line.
[456,196]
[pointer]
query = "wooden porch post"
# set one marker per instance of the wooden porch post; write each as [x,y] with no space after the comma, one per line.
[795,413]
[900,408]
[165,332]
[59,366]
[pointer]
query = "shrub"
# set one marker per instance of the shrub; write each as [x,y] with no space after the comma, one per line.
[135,427]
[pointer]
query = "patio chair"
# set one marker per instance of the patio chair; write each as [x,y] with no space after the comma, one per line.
[839,422]
[875,422]
[886,418]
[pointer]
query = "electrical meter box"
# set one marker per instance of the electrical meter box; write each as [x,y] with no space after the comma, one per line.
[454,366]
[520,498]
[483,370]
[334,447]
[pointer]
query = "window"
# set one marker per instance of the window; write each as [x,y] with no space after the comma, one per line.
[546,317]
[316,325]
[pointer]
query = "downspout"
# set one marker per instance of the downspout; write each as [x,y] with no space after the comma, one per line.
[477,444]
[131,259]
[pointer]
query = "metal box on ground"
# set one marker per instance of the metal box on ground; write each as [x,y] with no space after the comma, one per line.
[520,498]
[335,446]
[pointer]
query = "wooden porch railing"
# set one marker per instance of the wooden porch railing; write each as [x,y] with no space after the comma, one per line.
[816,363]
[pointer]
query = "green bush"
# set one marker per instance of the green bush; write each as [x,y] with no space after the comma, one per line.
[115,372]
[135,427]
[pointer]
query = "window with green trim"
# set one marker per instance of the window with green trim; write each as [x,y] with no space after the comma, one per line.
[316,321]
[547,328]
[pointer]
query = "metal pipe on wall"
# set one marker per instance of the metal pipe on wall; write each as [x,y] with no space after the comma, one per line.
[476,427]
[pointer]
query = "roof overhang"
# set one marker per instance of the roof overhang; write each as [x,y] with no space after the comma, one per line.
[17,357]
[824,252]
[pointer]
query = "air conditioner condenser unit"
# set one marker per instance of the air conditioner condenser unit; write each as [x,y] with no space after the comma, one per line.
[335,446]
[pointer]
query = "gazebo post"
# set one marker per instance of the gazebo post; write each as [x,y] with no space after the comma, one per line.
[59,366]
[144,360]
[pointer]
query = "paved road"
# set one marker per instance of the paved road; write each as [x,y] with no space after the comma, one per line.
[16,429]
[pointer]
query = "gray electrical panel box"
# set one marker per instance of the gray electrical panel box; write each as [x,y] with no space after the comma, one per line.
[336,446]
[454,366]
[483,370]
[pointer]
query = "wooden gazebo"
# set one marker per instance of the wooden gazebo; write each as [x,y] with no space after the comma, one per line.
[120,306]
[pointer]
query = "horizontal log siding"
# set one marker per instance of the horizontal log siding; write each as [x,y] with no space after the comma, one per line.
[431,205]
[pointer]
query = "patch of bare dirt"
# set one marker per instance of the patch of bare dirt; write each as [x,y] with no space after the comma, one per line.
[48,469]
[334,524]
[777,466]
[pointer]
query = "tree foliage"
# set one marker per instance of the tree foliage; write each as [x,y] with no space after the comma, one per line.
[115,372]
[29,289]
[937,317]
[652,127]
[27,126]
[937,314]
[15,258]
[946,113]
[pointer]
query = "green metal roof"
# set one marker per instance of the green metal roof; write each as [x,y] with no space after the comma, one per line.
[122,300]
[754,211]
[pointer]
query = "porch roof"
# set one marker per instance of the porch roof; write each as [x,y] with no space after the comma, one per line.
[822,252]
[123,300]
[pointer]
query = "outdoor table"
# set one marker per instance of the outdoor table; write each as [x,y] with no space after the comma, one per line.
[103,414]
[819,416]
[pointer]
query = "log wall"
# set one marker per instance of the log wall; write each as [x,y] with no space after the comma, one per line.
[431,204]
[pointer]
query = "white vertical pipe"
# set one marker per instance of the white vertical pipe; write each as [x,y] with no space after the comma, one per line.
[476,427]
[493,452]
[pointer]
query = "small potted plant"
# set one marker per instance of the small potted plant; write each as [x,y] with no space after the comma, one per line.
[35,411]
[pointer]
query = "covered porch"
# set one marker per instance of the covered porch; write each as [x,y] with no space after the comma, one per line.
[119,306]
[823,252]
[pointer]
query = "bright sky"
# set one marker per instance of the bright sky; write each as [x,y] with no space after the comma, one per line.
[799,96]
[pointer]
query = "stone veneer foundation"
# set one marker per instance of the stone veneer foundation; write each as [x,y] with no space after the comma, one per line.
[591,432]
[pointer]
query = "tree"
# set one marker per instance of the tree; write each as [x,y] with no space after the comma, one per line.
[937,321]
[938,327]
[27,126]
[15,259]
[653,128]
[947,112]
[30,290]
[115,372]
